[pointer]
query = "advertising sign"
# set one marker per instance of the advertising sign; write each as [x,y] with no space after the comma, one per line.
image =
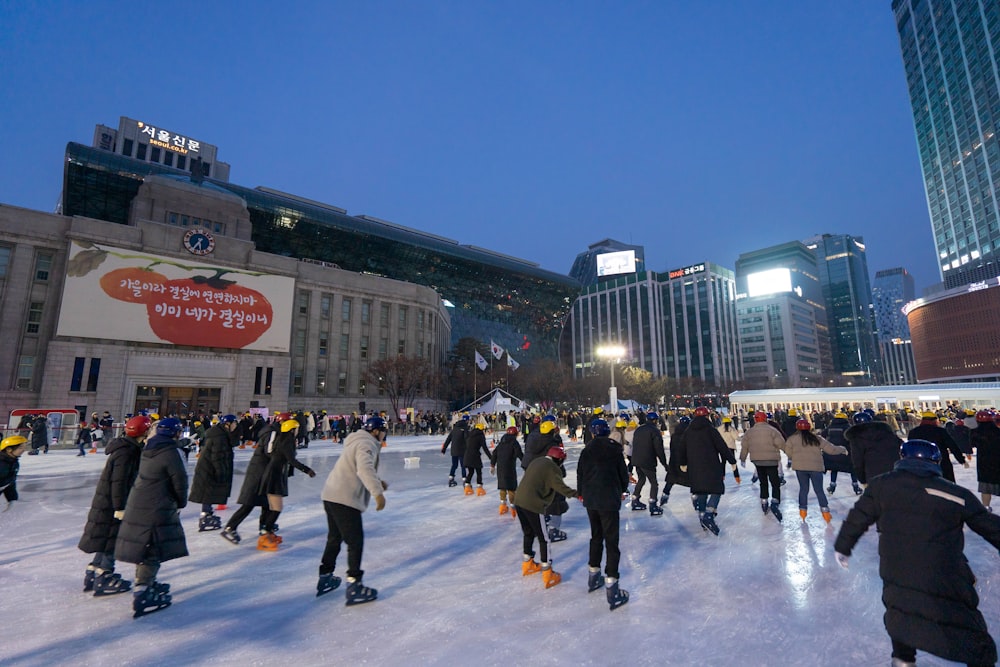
[112,293]
[612,263]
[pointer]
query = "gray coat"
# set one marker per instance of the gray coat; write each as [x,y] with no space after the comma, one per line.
[354,478]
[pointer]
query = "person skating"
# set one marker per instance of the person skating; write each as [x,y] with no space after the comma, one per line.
[704,454]
[457,441]
[541,482]
[929,429]
[647,449]
[603,480]
[762,444]
[274,481]
[986,440]
[213,474]
[728,432]
[108,507]
[472,462]
[674,473]
[805,450]
[928,588]
[503,462]
[540,440]
[11,449]
[350,485]
[836,432]
[151,532]
[874,447]
[84,439]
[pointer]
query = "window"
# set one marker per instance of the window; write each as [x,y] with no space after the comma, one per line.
[320,383]
[258,379]
[362,387]
[154,155]
[345,345]
[345,310]
[34,317]
[43,264]
[141,151]
[324,306]
[267,381]
[77,381]
[127,147]
[25,372]
[323,339]
[420,319]
[364,347]
[302,301]
[182,161]
[297,382]
[366,312]
[206,168]
[168,158]
[401,348]
[342,383]
[383,348]
[300,342]
[402,317]
[384,317]
[95,373]
[4,260]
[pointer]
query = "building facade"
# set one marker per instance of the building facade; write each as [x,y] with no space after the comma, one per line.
[950,50]
[892,289]
[150,143]
[587,269]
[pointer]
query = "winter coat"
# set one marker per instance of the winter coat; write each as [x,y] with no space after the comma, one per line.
[674,473]
[110,496]
[939,436]
[250,491]
[541,482]
[152,525]
[961,435]
[647,447]
[213,474]
[601,475]
[505,457]
[354,478]
[39,433]
[809,458]
[729,435]
[475,442]
[456,439]
[705,454]
[537,445]
[762,444]
[874,449]
[986,439]
[9,465]
[281,460]
[928,588]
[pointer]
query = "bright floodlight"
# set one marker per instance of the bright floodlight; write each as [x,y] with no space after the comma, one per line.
[610,351]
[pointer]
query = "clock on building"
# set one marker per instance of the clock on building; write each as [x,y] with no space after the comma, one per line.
[199,241]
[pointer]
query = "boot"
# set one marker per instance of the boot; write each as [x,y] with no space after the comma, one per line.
[753,480]
[109,583]
[654,509]
[452,482]
[707,521]
[763,505]
[556,535]
[899,662]
[549,576]
[595,580]
[149,599]
[857,488]
[209,521]
[831,488]
[782,480]
[736,476]
[480,491]
[468,489]
[825,511]
[513,512]
[358,593]
[664,498]
[529,566]
[267,542]
[775,511]
[802,513]
[327,582]
[616,596]
[637,505]
[231,535]
[88,579]
[503,508]
[93,450]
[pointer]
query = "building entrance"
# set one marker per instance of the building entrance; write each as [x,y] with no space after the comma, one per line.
[177,400]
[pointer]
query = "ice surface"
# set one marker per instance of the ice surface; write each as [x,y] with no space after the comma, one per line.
[447,568]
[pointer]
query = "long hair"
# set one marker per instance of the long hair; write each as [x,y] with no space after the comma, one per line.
[809,439]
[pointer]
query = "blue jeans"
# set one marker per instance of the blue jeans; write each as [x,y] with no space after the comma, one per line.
[806,477]
[711,505]
[456,462]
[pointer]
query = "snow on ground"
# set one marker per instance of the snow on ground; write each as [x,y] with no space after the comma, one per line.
[447,568]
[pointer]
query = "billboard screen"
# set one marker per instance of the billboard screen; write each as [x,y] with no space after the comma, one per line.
[611,263]
[112,293]
[772,281]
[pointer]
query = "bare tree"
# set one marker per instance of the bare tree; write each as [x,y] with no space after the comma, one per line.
[402,378]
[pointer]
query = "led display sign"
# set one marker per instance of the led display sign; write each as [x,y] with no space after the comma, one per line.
[773,281]
[686,271]
[612,263]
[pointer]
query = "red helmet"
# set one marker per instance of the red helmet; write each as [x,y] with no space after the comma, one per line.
[985,416]
[701,411]
[512,430]
[803,425]
[137,426]
[282,416]
[759,417]
[556,452]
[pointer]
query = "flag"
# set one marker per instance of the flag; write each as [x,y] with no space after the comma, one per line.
[480,361]
[513,364]
[497,351]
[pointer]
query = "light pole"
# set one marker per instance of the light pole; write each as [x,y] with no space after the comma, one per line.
[613,353]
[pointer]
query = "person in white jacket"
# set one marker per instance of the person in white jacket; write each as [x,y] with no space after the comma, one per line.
[351,484]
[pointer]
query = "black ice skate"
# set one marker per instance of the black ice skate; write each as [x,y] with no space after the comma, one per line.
[556,535]
[452,482]
[594,581]
[857,489]
[763,506]
[209,522]
[327,582]
[359,594]
[707,520]
[88,579]
[830,489]
[664,498]
[654,509]
[775,511]
[638,505]
[616,596]
[231,535]
[110,583]
[149,600]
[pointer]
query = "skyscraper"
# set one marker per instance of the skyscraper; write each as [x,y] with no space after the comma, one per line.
[891,290]
[950,52]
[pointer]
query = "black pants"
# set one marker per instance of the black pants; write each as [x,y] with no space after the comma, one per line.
[768,475]
[531,526]
[604,531]
[644,474]
[343,525]
[479,475]
[242,512]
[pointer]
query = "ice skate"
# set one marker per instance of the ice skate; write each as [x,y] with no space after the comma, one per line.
[148,600]
[694,502]
[616,596]
[480,491]
[452,482]
[513,512]
[468,489]
[529,567]
[267,542]
[327,582]
[825,511]
[231,535]
[753,480]
[775,510]
[359,594]
[550,577]
[857,488]
[160,588]
[638,505]
[898,662]
[556,535]
[783,481]
[109,583]
[88,579]
[707,520]
[654,509]
[664,498]
[736,476]
[209,522]
[830,489]
[503,508]
[594,581]
[802,514]
[763,506]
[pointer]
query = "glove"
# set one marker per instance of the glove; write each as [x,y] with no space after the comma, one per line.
[743,464]
[379,502]
[493,470]
[442,450]
[841,559]
[120,514]
[311,472]
[385,485]
[684,468]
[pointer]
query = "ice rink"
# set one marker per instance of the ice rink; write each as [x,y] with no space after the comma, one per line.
[447,568]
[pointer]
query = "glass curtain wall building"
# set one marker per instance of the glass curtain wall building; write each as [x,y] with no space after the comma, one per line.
[491,296]
[585,265]
[892,289]
[950,50]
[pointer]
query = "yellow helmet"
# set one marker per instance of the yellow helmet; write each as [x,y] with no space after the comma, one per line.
[481,426]
[154,416]
[727,420]
[792,412]
[547,427]
[289,425]
[927,414]
[840,415]
[620,423]
[598,411]
[12,441]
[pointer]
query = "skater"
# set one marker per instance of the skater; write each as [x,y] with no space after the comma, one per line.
[274,481]
[108,507]
[541,439]
[986,439]
[603,482]
[874,447]
[728,433]
[805,450]
[503,462]
[11,449]
[837,463]
[350,485]
[929,429]
[674,473]
[472,462]
[84,438]
[40,435]
[647,449]
[762,443]
[704,453]
[457,441]
[151,531]
[213,474]
[541,482]
[928,589]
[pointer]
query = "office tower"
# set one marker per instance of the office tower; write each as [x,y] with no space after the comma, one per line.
[891,290]
[606,258]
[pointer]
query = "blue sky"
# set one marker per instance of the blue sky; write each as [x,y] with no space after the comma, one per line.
[697,129]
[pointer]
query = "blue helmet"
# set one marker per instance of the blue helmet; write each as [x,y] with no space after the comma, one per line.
[862,418]
[549,418]
[920,449]
[375,423]
[600,428]
[684,420]
[652,416]
[169,427]
[228,419]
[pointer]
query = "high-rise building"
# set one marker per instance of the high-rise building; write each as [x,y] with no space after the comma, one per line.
[950,51]
[891,290]
[847,295]
[607,257]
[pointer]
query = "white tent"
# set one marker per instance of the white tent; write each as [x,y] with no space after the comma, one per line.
[627,405]
[496,401]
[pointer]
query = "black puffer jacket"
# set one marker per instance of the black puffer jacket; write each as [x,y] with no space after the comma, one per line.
[475,444]
[152,524]
[647,447]
[281,460]
[874,449]
[986,439]
[213,475]
[927,586]
[601,475]
[117,478]
[705,454]
[250,491]
[456,439]
[538,444]
[939,436]
[674,473]
[505,457]
[9,465]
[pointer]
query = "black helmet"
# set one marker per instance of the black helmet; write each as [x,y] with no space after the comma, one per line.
[920,449]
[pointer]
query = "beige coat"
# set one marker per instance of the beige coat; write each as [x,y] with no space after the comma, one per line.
[762,444]
[808,458]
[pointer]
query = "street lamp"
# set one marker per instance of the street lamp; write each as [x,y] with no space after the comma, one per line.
[613,353]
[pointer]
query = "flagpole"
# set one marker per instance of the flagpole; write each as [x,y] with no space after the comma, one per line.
[506,380]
